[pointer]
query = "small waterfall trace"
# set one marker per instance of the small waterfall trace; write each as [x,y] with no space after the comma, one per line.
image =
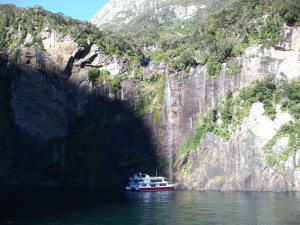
[170,135]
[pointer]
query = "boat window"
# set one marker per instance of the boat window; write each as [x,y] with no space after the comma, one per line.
[156,180]
[153,185]
[163,184]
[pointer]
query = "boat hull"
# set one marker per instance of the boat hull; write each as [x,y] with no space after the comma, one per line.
[150,189]
[157,189]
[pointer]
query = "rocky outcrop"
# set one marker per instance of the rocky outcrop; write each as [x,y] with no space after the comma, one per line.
[54,75]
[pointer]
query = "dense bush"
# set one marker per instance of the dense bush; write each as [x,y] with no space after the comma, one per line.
[290,12]
[93,74]
[234,69]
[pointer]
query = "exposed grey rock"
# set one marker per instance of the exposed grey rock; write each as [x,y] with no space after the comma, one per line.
[238,164]
[137,14]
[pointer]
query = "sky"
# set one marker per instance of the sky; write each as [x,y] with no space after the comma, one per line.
[77,9]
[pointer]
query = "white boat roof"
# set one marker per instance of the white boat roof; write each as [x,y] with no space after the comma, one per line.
[143,175]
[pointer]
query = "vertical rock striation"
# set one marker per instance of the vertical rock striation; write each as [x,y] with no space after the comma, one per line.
[237,164]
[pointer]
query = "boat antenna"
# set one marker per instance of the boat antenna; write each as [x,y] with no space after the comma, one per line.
[156,172]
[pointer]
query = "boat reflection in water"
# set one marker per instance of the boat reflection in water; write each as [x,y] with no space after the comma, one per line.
[144,182]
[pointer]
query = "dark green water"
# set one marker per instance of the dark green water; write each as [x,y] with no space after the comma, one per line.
[57,207]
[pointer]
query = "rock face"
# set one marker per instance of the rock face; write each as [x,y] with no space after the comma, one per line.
[237,164]
[76,133]
[67,125]
[132,14]
[51,72]
[192,93]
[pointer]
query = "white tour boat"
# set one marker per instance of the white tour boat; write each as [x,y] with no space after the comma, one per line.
[144,182]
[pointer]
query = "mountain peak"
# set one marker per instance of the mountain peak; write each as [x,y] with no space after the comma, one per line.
[137,14]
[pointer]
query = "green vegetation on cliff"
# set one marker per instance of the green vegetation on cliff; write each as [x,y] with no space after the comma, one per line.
[223,119]
[17,23]
[185,44]
[222,35]
[25,27]
[289,97]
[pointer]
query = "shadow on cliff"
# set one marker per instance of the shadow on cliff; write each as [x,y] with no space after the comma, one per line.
[107,143]
[101,147]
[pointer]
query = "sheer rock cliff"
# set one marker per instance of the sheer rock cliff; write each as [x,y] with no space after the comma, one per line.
[240,163]
[51,87]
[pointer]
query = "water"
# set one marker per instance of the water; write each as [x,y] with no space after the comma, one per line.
[170,135]
[84,207]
